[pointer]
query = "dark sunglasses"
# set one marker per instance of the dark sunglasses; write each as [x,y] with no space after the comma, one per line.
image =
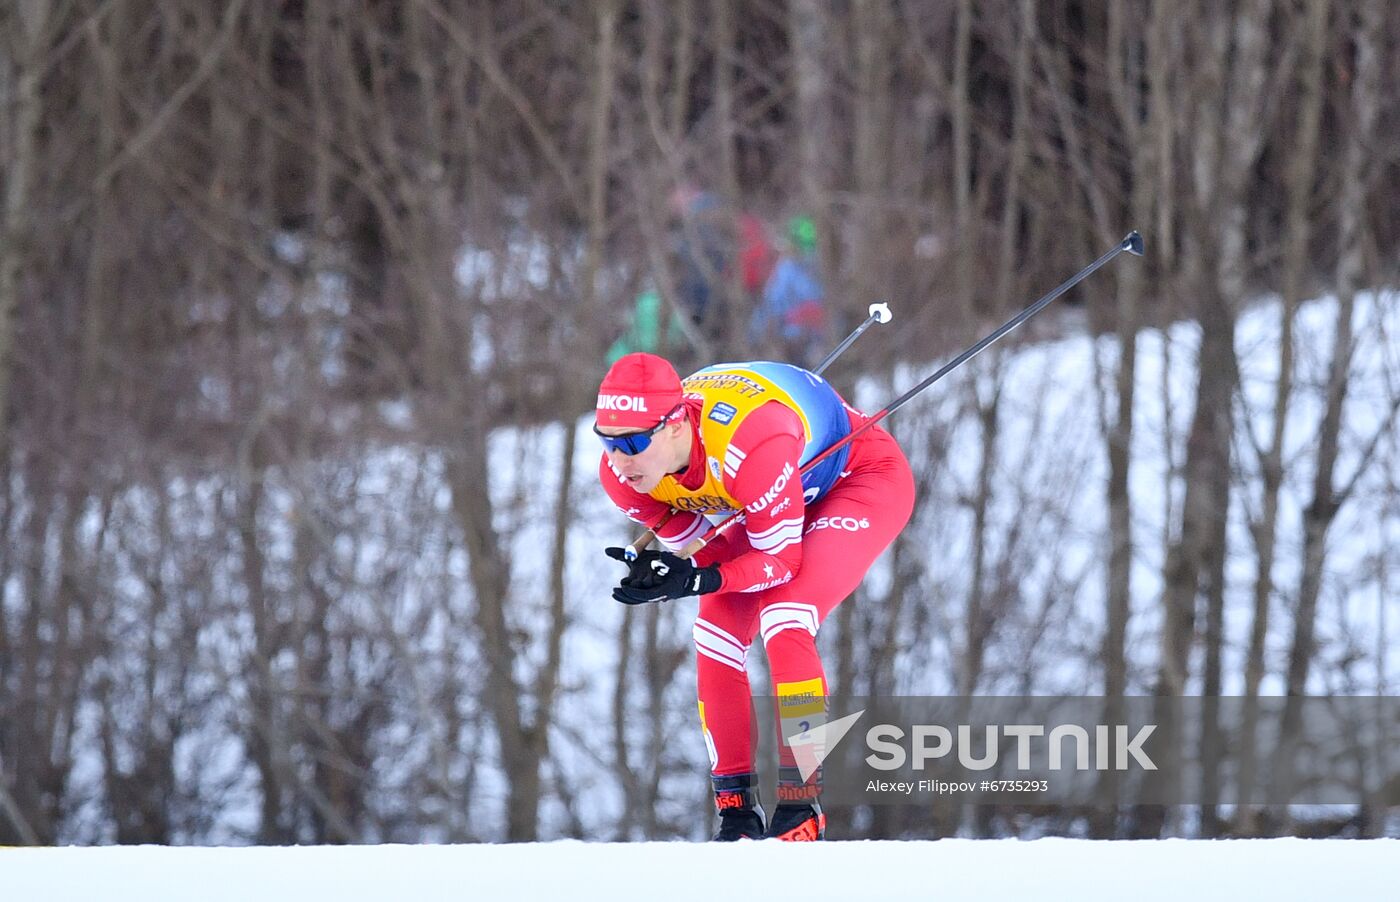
[633,442]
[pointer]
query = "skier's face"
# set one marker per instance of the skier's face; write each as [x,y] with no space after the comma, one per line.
[668,451]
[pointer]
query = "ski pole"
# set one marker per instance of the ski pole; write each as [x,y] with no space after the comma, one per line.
[1132,243]
[878,313]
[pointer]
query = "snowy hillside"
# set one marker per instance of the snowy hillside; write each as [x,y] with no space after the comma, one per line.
[1047,869]
[401,578]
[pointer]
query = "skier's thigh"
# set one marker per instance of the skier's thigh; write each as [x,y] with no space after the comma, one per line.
[842,537]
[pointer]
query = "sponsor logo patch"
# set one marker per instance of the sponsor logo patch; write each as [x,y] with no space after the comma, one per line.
[849,524]
[767,585]
[772,494]
[743,386]
[635,403]
[715,469]
[703,504]
[723,413]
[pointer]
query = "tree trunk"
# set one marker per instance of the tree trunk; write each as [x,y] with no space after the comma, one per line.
[962,159]
[810,28]
[23,104]
[1143,112]
[1357,165]
[1301,176]
[981,614]
[730,285]
[1225,149]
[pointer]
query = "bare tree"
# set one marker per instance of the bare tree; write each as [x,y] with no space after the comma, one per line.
[1327,497]
[1302,178]
[1232,68]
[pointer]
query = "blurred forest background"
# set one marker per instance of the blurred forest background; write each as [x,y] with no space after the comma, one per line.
[301,304]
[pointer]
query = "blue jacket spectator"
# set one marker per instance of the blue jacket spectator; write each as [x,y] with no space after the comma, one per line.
[793,306]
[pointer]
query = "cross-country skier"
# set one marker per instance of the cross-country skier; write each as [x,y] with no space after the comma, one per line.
[732,437]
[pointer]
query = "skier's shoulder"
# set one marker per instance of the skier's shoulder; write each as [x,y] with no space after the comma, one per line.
[769,420]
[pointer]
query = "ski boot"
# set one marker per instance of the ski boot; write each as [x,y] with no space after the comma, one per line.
[798,823]
[799,816]
[736,800]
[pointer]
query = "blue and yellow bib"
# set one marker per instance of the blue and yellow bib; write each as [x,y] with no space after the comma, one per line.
[731,391]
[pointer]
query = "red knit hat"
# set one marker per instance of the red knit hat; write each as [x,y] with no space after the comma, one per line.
[638,391]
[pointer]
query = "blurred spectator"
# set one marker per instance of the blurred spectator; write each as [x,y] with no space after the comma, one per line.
[644,334]
[792,314]
[757,255]
[710,241]
[702,249]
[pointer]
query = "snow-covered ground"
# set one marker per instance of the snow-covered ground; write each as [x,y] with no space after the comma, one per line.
[1045,869]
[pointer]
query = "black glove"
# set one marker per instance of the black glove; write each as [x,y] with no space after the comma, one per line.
[637,568]
[670,576]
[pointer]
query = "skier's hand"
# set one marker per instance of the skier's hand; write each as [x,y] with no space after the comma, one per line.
[670,576]
[637,568]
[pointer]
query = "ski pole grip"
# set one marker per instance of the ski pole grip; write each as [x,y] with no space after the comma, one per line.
[639,544]
[693,548]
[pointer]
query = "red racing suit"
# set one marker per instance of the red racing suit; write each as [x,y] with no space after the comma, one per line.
[805,545]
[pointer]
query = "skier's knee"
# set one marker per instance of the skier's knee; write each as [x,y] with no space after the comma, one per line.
[785,616]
